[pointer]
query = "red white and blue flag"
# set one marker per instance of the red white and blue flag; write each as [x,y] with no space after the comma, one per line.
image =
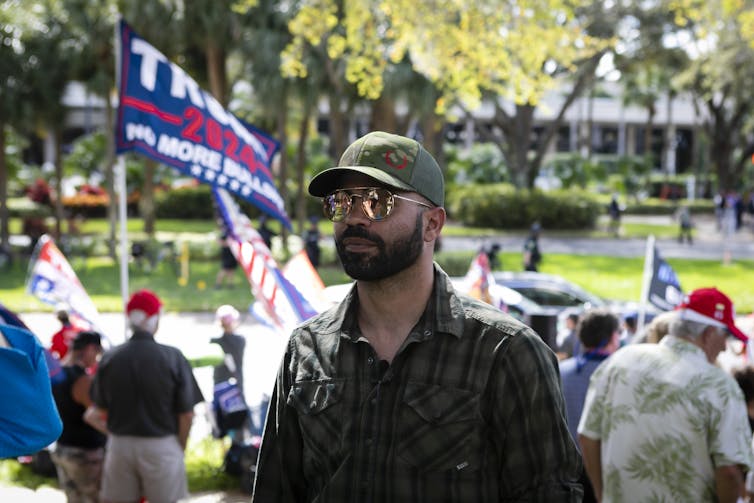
[165,115]
[278,302]
[53,281]
[479,282]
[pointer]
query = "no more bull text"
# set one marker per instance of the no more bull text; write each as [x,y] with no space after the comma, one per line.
[191,153]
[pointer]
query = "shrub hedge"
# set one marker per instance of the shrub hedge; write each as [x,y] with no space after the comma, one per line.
[503,206]
[185,202]
[498,205]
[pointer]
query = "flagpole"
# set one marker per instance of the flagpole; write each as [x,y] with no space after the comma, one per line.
[123,219]
[122,189]
[646,281]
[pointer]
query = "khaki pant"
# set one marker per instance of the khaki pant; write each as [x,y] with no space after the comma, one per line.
[149,467]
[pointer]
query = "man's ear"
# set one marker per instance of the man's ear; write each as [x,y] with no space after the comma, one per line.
[434,220]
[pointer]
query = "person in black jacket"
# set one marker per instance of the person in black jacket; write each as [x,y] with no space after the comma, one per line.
[80,450]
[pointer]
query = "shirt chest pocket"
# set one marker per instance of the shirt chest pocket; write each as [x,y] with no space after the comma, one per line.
[441,429]
[319,406]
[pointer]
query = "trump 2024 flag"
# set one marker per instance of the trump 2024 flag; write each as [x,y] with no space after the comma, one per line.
[165,115]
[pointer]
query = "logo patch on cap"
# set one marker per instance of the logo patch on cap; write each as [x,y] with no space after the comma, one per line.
[719,311]
[396,159]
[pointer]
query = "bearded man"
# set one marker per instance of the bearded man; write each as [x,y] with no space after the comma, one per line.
[408,390]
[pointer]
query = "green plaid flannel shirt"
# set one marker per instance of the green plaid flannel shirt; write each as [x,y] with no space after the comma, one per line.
[470,410]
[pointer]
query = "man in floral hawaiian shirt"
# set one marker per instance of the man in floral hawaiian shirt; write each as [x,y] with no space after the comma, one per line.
[661,422]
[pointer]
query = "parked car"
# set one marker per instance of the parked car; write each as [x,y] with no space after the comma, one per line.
[549,290]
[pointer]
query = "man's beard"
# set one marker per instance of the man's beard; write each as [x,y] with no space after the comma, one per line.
[390,259]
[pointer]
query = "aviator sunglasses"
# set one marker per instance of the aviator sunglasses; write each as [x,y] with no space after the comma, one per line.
[376,202]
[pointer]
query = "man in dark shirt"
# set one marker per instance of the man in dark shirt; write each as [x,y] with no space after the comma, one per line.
[409,391]
[80,450]
[148,392]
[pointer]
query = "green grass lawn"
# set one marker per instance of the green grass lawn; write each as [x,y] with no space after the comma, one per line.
[611,277]
[616,278]
[620,278]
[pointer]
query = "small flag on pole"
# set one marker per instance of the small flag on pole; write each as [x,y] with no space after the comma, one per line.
[479,281]
[665,291]
[660,286]
[53,281]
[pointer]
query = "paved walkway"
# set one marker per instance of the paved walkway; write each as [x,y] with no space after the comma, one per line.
[709,243]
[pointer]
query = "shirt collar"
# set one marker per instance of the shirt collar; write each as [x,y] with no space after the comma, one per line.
[141,334]
[444,312]
[682,346]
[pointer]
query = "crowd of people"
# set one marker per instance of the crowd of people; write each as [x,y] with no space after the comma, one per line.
[659,419]
[407,390]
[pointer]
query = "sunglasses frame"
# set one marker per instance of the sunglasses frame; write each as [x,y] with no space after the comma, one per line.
[389,203]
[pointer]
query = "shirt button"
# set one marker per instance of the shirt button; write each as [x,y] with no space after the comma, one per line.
[370,360]
[428,332]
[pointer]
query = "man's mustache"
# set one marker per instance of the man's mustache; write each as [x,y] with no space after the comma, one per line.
[360,232]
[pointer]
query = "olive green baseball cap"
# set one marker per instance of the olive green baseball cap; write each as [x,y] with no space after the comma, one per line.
[393,160]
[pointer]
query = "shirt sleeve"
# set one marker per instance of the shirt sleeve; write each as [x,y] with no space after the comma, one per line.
[29,419]
[729,430]
[539,460]
[279,476]
[188,391]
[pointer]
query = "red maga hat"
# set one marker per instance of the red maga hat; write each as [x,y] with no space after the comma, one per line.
[145,301]
[713,307]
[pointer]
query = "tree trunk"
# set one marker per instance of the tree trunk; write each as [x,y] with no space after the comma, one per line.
[337,128]
[519,143]
[303,136]
[384,117]
[4,213]
[146,203]
[590,124]
[667,139]
[720,154]
[648,132]
[59,216]
[216,73]
[282,122]
[432,128]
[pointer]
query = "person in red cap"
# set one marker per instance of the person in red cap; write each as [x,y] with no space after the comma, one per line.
[62,339]
[662,422]
[147,392]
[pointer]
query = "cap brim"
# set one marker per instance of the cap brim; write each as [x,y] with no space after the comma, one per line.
[738,334]
[687,313]
[329,180]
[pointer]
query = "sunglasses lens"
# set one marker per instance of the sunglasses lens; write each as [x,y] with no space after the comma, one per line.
[337,205]
[378,203]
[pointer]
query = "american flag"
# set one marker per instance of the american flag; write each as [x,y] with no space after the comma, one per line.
[278,301]
[53,281]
